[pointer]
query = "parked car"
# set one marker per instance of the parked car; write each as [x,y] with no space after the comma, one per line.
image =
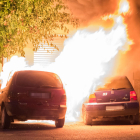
[36,95]
[116,99]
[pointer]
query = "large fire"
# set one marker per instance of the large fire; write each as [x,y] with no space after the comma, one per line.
[88,57]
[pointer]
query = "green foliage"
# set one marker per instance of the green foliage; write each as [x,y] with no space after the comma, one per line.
[34,20]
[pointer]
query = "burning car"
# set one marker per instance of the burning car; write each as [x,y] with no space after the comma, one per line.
[34,95]
[116,99]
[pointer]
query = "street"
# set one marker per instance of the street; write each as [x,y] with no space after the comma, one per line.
[71,131]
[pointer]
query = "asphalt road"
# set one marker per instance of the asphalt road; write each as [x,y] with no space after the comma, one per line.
[71,131]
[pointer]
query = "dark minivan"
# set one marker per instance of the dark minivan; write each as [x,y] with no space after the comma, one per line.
[116,99]
[36,95]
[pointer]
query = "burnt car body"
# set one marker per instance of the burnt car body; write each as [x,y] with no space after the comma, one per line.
[115,100]
[36,95]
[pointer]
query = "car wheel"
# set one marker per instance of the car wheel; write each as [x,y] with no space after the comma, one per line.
[5,119]
[59,123]
[86,118]
[134,119]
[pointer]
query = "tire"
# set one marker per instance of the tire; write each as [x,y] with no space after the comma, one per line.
[134,119]
[86,118]
[5,119]
[59,123]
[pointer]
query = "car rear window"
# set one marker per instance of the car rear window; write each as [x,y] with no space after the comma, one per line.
[38,79]
[119,82]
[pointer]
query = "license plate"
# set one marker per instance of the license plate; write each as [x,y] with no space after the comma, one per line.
[114,108]
[40,95]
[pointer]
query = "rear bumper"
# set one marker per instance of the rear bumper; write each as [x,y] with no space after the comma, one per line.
[99,109]
[23,113]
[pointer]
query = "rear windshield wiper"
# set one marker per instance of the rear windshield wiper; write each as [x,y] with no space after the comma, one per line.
[118,88]
[49,86]
[46,86]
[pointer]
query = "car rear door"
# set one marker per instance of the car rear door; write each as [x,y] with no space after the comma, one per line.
[39,90]
[114,95]
[40,98]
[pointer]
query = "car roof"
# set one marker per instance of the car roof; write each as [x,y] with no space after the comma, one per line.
[32,71]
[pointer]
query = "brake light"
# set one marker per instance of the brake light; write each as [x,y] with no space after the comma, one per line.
[63,99]
[133,96]
[92,98]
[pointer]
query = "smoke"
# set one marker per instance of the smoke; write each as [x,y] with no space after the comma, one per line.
[129,62]
[90,11]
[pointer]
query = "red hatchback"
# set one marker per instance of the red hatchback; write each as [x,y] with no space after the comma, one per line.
[36,95]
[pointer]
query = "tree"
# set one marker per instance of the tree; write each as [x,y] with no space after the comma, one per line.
[31,20]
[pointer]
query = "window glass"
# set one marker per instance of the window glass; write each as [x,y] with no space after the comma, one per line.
[120,82]
[38,79]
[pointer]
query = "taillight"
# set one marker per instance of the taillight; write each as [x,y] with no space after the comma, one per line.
[63,99]
[92,98]
[133,96]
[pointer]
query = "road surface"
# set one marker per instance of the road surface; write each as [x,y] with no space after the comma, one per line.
[71,131]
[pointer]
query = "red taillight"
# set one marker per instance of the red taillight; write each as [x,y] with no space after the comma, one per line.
[92,98]
[63,99]
[133,96]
